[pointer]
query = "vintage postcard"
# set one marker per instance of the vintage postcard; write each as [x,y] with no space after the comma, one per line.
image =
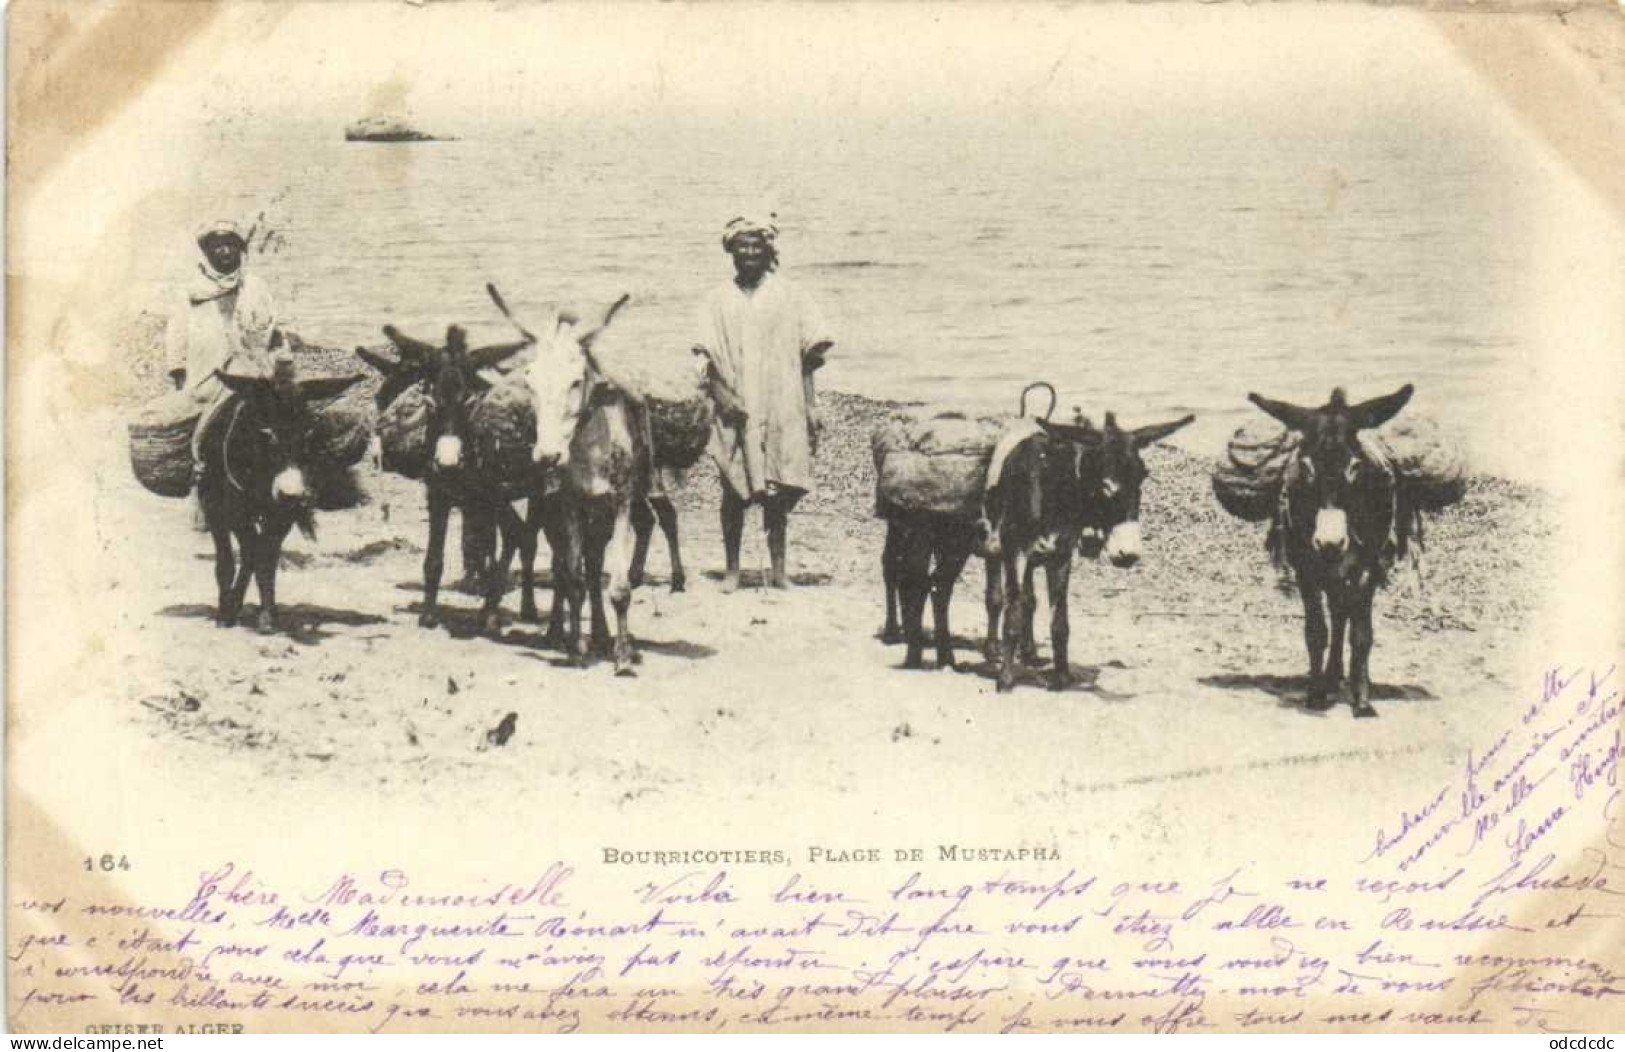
[487,482]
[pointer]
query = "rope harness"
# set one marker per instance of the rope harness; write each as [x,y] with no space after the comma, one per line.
[225,449]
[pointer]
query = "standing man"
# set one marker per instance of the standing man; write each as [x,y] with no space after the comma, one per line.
[765,339]
[226,322]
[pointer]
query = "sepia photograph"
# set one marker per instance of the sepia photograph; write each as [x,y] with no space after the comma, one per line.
[746,518]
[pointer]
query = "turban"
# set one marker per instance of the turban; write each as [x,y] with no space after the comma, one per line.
[213,283]
[209,231]
[739,225]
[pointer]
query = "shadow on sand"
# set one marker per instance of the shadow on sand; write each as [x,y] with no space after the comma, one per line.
[1085,678]
[971,660]
[469,623]
[758,579]
[1291,691]
[304,623]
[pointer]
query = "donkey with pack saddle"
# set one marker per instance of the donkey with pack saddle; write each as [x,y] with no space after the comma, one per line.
[676,428]
[1343,519]
[258,466]
[935,518]
[1055,485]
[594,435]
[1047,487]
[465,467]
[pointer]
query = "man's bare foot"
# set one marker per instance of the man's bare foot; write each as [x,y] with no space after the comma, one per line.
[730,582]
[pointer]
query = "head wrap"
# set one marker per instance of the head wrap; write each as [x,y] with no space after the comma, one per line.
[766,227]
[210,284]
[223,228]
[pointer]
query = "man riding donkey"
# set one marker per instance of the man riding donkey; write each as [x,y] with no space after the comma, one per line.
[227,324]
[764,338]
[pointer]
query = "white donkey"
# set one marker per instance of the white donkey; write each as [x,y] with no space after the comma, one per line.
[593,435]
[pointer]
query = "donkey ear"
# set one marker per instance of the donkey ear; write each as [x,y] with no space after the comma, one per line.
[243,385]
[488,357]
[1144,436]
[1293,416]
[392,388]
[324,387]
[410,347]
[378,362]
[586,339]
[1379,411]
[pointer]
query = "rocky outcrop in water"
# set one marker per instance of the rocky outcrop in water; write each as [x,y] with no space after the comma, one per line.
[387,129]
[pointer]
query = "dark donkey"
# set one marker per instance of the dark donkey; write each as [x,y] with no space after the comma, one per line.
[459,473]
[1339,523]
[1054,485]
[913,538]
[255,483]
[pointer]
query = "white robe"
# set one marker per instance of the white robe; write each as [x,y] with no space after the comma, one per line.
[221,327]
[758,340]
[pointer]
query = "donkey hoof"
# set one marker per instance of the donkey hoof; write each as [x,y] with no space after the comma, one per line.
[1364,712]
[428,619]
[1060,680]
[679,582]
[891,634]
[625,666]
[529,615]
[635,578]
[1317,701]
[1005,686]
[493,626]
[946,663]
[226,621]
[914,662]
[265,624]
